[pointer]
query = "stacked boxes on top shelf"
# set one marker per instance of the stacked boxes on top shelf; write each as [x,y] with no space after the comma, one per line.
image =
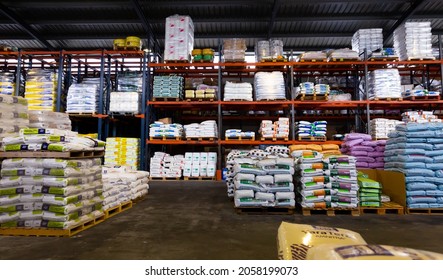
[370,39]
[168,87]
[413,40]
[234,50]
[122,151]
[179,38]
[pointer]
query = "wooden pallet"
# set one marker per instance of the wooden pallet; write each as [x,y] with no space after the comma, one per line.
[240,138]
[276,99]
[124,114]
[313,60]
[424,211]
[312,138]
[420,58]
[200,99]
[388,99]
[265,210]
[383,58]
[165,99]
[164,138]
[164,178]
[386,208]
[127,48]
[51,232]
[111,212]
[331,211]
[49,154]
[274,138]
[312,97]
[84,115]
[421,98]
[342,59]
[200,178]
[202,61]
[200,139]
[274,60]
[139,199]
[177,61]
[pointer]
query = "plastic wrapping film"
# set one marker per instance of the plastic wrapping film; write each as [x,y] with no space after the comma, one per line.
[413,40]
[179,38]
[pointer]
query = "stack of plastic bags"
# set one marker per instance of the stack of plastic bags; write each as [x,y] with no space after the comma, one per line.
[179,38]
[124,102]
[419,92]
[329,182]
[342,54]
[168,87]
[269,86]
[307,88]
[122,151]
[277,129]
[268,50]
[127,98]
[413,40]
[234,50]
[164,165]
[237,91]
[419,117]
[159,129]
[370,39]
[83,98]
[370,191]
[384,83]
[47,119]
[206,129]
[307,129]
[13,115]
[325,149]
[121,185]
[259,178]
[50,192]
[368,153]
[41,89]
[200,164]
[7,83]
[56,140]
[238,134]
[381,127]
[416,150]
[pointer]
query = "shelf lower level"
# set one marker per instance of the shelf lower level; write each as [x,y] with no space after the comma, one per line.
[238,142]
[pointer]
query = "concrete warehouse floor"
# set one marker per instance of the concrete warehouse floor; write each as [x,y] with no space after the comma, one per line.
[195,220]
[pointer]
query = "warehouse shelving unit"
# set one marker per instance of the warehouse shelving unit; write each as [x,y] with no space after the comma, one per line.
[106,64]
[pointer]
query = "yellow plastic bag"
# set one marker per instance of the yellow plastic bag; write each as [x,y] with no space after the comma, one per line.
[296,147]
[327,147]
[368,252]
[295,240]
[314,147]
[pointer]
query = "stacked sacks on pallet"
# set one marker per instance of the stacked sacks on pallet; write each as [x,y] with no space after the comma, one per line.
[329,182]
[48,119]
[234,157]
[205,129]
[7,83]
[41,89]
[13,115]
[237,91]
[40,139]
[50,192]
[159,129]
[121,185]
[368,153]
[122,151]
[370,191]
[164,165]
[314,129]
[269,86]
[416,150]
[261,177]
[278,129]
[325,149]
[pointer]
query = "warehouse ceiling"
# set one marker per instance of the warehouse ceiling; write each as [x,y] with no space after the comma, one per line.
[302,25]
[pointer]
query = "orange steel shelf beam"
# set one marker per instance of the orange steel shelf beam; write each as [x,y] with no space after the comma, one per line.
[181,142]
